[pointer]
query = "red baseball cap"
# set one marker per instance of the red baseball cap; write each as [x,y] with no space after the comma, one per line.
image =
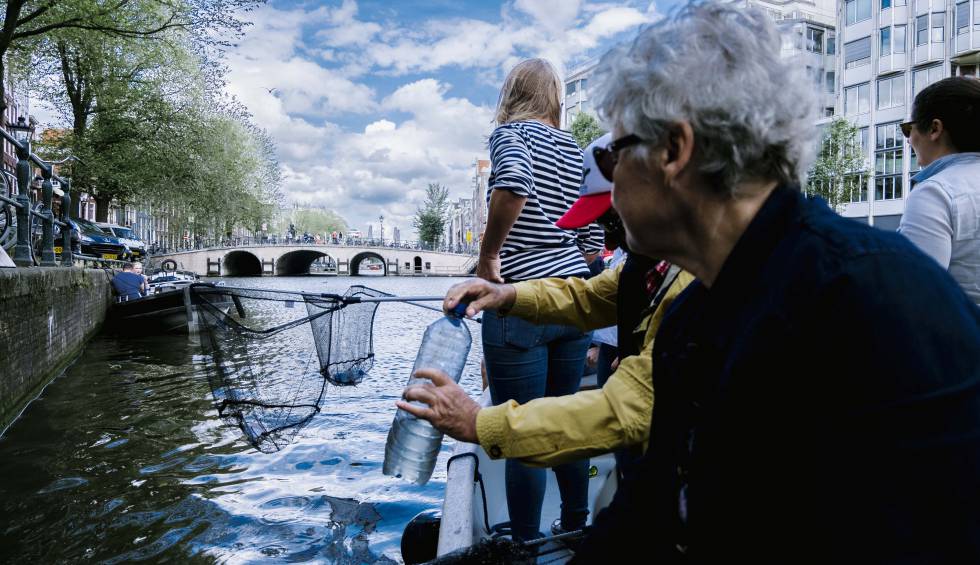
[595,194]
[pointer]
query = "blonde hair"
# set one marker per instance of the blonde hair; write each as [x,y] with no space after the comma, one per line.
[531,91]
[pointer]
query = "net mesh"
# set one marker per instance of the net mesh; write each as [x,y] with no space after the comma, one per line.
[269,355]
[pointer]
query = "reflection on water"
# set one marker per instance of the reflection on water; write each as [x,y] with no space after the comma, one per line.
[124,458]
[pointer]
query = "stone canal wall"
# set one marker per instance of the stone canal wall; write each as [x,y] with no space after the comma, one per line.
[46,316]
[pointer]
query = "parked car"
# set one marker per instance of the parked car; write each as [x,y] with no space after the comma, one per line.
[76,245]
[95,242]
[128,238]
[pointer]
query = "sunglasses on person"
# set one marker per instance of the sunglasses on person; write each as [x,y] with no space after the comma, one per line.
[907,128]
[607,157]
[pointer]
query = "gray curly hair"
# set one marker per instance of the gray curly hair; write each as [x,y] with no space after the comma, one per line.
[717,67]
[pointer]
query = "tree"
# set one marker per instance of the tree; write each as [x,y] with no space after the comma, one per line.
[318,220]
[585,129]
[430,218]
[841,164]
[27,23]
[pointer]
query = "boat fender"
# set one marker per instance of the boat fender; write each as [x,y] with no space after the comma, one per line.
[420,537]
[169,265]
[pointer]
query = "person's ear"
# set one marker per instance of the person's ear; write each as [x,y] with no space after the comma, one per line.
[936,130]
[679,148]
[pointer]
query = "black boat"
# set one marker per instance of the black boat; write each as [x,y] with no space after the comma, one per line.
[165,311]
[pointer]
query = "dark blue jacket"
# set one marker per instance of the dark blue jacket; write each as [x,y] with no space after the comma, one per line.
[819,404]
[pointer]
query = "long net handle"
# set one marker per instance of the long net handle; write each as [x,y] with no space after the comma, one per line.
[413,300]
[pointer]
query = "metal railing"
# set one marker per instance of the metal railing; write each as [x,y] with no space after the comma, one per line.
[23,249]
[210,243]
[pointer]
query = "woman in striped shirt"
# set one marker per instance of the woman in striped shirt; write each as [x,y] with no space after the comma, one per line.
[535,177]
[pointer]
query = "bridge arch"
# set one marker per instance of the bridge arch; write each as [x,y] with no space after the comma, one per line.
[241,264]
[297,262]
[355,262]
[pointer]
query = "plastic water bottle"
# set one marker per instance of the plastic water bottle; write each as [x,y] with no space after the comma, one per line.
[414,444]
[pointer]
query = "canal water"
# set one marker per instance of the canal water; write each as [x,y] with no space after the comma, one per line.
[124,458]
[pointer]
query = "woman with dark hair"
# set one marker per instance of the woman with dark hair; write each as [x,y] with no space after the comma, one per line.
[942,213]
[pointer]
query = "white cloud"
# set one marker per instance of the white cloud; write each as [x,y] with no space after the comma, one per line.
[301,71]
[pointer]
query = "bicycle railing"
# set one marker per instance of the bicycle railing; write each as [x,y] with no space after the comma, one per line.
[23,249]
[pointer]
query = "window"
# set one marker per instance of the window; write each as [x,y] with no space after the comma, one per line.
[891,92]
[966,70]
[888,162]
[832,40]
[898,39]
[570,88]
[862,139]
[857,53]
[858,188]
[583,84]
[831,82]
[976,14]
[857,99]
[885,41]
[885,4]
[938,25]
[924,77]
[922,29]
[814,40]
[913,162]
[962,23]
[857,11]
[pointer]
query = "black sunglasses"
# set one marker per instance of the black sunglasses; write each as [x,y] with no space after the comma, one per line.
[907,128]
[607,157]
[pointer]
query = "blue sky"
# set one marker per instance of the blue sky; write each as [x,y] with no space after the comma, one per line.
[374,99]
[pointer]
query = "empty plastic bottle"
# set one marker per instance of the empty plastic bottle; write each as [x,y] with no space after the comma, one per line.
[414,444]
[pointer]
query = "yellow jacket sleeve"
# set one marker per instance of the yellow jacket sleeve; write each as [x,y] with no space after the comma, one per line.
[555,430]
[586,304]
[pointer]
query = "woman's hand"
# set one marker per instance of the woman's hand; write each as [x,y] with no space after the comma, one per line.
[481,295]
[488,268]
[450,410]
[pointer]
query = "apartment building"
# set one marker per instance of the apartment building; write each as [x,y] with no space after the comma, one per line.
[891,50]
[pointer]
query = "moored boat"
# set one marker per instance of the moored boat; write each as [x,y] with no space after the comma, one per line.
[164,311]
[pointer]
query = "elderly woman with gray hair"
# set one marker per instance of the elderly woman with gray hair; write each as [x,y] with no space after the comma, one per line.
[817,389]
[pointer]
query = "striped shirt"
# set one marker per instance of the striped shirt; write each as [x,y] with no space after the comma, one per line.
[544,165]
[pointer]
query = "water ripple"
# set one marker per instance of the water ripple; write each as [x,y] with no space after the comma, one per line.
[124,458]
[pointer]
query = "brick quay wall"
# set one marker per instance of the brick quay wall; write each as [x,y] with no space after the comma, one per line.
[46,317]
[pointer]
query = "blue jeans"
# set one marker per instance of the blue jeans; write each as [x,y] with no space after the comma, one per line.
[527,361]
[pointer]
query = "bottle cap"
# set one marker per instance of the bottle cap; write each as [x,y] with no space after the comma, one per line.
[460,309]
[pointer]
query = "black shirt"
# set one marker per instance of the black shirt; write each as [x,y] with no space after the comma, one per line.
[820,403]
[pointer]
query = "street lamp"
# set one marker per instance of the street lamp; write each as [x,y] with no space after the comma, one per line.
[381,219]
[23,133]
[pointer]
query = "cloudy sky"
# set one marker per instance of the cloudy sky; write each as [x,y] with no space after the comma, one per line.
[371,100]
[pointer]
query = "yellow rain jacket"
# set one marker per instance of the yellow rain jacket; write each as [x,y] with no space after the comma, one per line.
[554,430]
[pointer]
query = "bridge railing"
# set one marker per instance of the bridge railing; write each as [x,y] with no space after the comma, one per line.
[208,243]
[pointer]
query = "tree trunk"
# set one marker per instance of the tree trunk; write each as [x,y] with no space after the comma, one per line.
[102,208]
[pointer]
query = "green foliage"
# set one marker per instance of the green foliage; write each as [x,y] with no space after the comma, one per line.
[318,220]
[840,166]
[151,128]
[585,129]
[430,218]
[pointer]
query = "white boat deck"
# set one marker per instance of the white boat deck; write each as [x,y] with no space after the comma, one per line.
[462,514]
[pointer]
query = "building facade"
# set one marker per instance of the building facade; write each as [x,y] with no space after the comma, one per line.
[576,98]
[890,51]
[478,200]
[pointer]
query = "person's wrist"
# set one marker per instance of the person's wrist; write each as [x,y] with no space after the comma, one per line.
[473,412]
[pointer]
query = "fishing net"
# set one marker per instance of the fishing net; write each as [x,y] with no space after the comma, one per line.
[269,355]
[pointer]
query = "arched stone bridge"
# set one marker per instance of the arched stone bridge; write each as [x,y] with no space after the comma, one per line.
[296,259]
